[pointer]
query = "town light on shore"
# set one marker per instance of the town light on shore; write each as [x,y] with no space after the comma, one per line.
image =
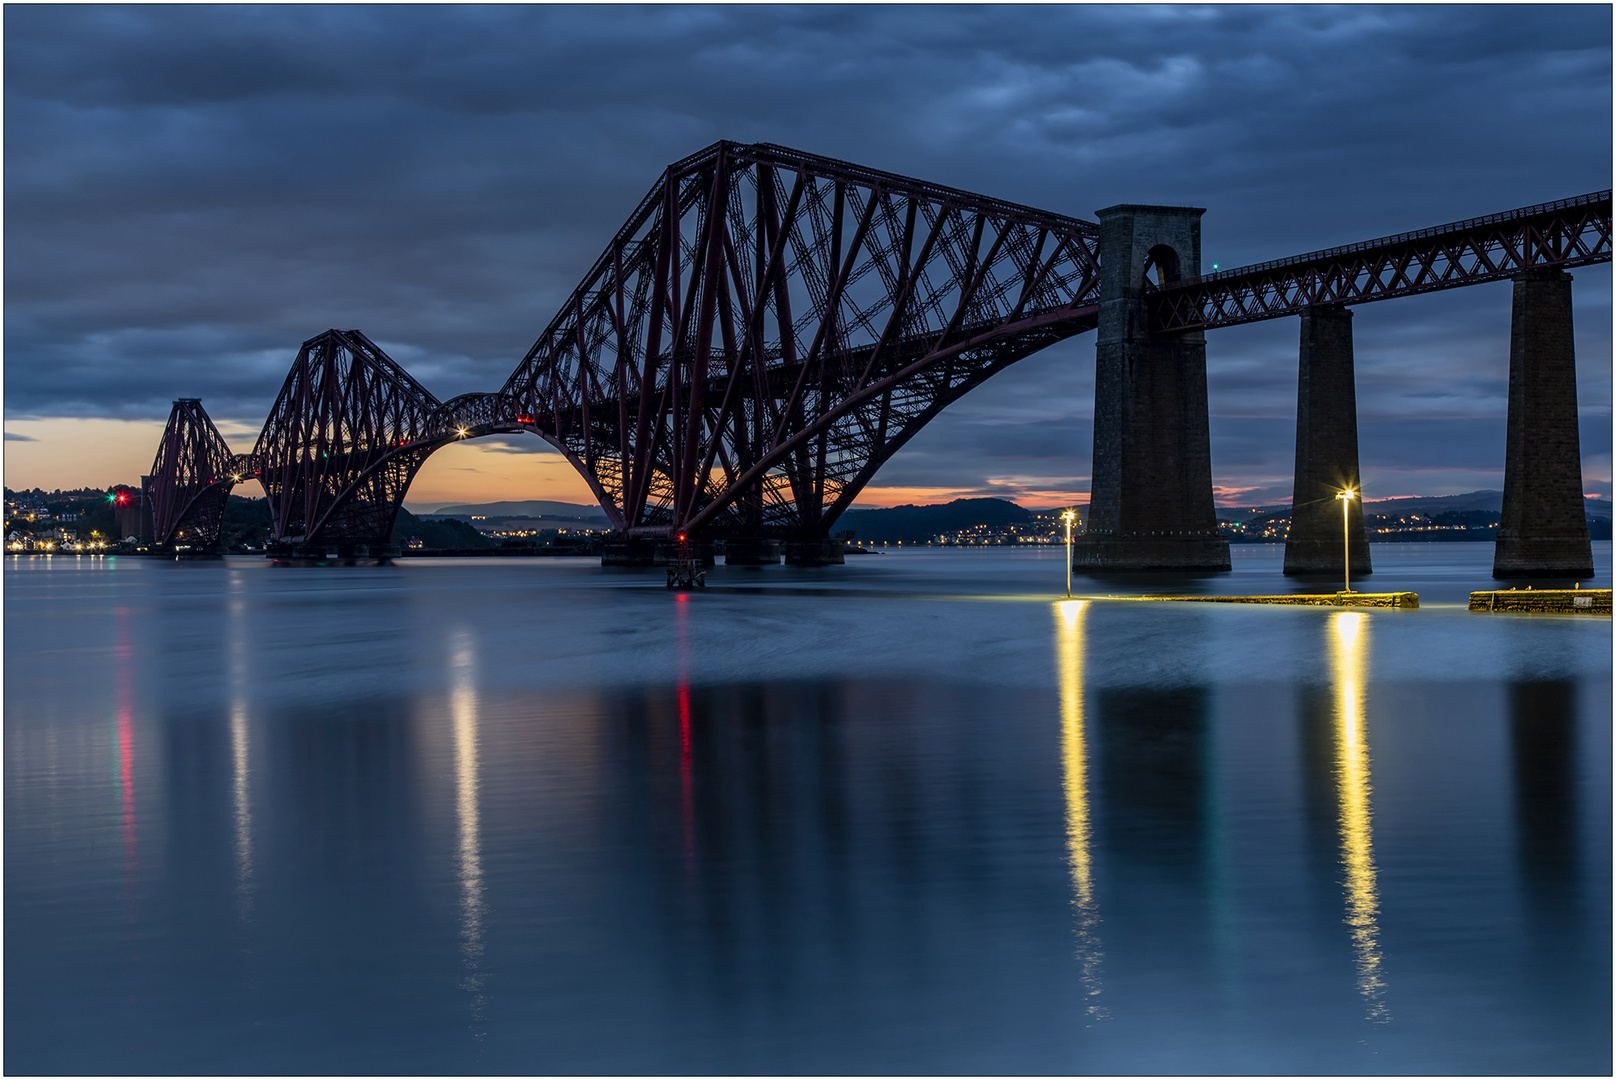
[1346,498]
[1068,517]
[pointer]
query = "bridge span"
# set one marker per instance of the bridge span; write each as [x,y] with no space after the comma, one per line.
[769,327]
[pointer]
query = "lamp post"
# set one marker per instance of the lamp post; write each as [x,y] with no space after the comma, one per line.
[1346,498]
[1069,516]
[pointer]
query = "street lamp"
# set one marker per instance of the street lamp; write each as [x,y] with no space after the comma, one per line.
[1346,498]
[1069,516]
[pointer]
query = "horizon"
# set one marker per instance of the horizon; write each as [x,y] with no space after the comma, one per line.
[418,507]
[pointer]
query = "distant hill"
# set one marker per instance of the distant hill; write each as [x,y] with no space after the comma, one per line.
[1437,504]
[441,535]
[916,524]
[534,508]
[1472,516]
[1429,505]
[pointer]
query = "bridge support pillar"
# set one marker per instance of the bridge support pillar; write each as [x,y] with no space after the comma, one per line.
[1326,450]
[751,551]
[1543,531]
[653,551]
[634,551]
[824,551]
[1151,503]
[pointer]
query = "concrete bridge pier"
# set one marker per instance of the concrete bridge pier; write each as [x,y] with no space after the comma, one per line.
[1543,531]
[1326,450]
[751,551]
[1151,503]
[815,551]
[643,551]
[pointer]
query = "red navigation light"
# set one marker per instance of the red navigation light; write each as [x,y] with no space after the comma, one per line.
[681,538]
[122,498]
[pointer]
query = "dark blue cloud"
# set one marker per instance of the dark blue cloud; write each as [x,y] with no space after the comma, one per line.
[193,190]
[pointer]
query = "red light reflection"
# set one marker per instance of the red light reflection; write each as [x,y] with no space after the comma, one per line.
[126,746]
[687,793]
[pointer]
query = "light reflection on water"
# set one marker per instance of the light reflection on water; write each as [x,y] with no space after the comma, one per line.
[463,711]
[240,748]
[1075,781]
[917,817]
[1348,648]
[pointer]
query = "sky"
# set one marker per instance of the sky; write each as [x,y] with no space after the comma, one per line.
[192,191]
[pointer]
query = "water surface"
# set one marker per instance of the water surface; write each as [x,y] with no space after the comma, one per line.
[914,814]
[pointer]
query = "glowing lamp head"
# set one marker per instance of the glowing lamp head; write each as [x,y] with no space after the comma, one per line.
[1348,494]
[461,432]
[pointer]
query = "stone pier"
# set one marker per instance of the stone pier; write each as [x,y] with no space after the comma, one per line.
[823,551]
[1326,451]
[641,551]
[1543,531]
[1151,505]
[751,551]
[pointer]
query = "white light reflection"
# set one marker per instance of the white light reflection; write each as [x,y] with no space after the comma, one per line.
[1349,641]
[463,715]
[240,751]
[1069,654]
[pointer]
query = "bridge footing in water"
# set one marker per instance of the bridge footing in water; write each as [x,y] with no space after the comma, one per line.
[642,551]
[335,553]
[648,551]
[187,554]
[823,551]
[751,551]
[1111,553]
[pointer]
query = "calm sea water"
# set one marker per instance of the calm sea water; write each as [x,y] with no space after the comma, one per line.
[914,814]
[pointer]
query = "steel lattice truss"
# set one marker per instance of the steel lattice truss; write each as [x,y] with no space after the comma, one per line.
[191,478]
[1571,232]
[343,442]
[769,327]
[764,333]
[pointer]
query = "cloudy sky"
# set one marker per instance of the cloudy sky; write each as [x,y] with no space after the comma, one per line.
[192,191]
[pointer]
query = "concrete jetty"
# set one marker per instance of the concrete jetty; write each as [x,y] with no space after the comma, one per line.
[1339,599]
[1548,601]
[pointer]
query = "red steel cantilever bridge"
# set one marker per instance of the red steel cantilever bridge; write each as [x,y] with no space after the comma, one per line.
[763,333]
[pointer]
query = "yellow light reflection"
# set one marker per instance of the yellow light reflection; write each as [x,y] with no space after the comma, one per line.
[463,714]
[243,807]
[240,752]
[1069,655]
[1349,642]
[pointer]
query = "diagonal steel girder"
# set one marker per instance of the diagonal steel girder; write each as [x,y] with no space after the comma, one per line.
[769,327]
